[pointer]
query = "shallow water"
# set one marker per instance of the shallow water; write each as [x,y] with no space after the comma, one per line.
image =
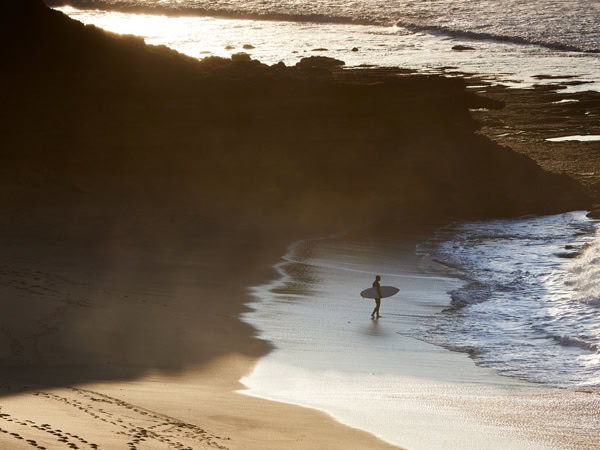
[530,302]
[331,356]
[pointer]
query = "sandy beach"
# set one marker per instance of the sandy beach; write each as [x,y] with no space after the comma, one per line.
[160,359]
[139,346]
[145,196]
[195,410]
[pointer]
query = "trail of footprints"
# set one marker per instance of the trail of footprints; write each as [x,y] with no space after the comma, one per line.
[31,281]
[42,285]
[52,291]
[138,425]
[64,437]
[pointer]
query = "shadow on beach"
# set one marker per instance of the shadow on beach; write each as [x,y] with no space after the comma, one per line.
[106,303]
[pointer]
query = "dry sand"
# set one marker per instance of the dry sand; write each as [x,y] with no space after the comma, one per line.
[198,409]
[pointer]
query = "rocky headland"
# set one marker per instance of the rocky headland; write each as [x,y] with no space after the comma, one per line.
[92,117]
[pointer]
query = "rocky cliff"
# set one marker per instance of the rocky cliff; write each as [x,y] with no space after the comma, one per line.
[90,115]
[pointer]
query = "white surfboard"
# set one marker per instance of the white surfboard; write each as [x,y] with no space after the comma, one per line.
[386,291]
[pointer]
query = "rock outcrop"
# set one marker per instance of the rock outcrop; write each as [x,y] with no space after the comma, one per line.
[109,115]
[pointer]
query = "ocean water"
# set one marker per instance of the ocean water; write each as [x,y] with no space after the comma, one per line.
[530,304]
[492,342]
[513,42]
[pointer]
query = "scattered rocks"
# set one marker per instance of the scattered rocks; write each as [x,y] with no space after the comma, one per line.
[462,48]
[553,77]
[319,62]
[241,57]
[248,47]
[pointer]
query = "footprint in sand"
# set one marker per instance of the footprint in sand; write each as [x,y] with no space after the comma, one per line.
[143,427]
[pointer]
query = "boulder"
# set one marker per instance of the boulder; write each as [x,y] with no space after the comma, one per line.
[319,62]
[241,57]
[462,48]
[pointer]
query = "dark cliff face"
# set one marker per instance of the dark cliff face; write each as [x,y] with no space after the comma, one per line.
[24,24]
[19,12]
[46,45]
[97,114]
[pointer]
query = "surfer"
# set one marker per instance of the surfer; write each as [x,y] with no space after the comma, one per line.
[377,287]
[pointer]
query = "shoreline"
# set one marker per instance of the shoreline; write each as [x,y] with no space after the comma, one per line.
[433,398]
[202,406]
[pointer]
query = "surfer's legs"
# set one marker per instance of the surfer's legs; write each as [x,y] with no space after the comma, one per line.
[376,309]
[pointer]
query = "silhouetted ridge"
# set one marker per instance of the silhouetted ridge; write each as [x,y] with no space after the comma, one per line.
[16,13]
[29,25]
[38,38]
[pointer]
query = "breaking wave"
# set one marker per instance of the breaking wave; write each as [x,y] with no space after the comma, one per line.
[524,309]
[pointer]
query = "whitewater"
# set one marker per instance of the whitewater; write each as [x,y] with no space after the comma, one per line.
[530,303]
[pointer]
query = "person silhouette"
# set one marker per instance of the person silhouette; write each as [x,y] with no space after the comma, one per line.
[376,285]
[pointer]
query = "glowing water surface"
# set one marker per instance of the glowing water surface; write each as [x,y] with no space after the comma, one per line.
[576,137]
[273,41]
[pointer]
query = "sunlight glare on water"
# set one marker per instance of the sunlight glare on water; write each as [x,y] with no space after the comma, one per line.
[149,26]
[273,41]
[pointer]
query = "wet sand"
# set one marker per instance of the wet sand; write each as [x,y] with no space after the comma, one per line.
[380,375]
